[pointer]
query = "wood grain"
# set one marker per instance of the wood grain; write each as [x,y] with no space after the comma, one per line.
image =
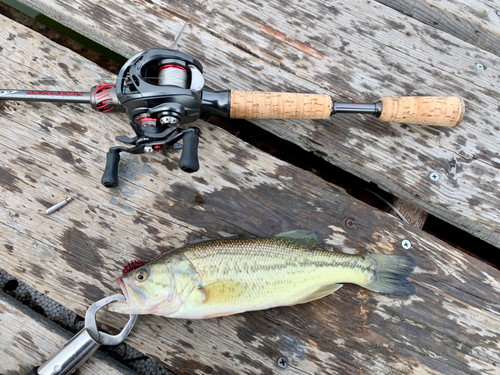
[450,326]
[28,340]
[475,22]
[414,215]
[423,110]
[357,51]
[279,105]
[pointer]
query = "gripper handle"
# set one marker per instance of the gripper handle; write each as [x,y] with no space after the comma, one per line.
[266,105]
[423,110]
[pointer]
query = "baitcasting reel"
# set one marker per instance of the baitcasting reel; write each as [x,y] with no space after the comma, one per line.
[162,89]
[159,90]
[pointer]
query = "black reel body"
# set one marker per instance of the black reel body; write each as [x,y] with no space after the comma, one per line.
[161,83]
[159,89]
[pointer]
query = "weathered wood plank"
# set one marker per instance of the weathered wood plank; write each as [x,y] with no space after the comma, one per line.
[28,340]
[451,325]
[414,215]
[476,22]
[354,51]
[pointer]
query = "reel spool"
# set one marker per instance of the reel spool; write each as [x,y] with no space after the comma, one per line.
[172,75]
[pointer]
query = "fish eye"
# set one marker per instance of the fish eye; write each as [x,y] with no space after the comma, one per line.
[141,275]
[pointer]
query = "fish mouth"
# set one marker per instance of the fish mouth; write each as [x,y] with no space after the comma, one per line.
[122,307]
[122,286]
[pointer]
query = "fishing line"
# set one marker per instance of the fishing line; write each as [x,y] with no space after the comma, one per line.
[389,204]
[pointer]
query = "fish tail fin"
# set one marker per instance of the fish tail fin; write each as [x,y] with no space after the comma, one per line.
[390,274]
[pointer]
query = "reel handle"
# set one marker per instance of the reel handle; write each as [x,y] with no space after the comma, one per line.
[189,158]
[110,175]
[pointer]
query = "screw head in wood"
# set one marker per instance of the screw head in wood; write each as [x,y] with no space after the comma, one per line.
[498,12]
[350,223]
[283,362]
[434,176]
[480,66]
[406,244]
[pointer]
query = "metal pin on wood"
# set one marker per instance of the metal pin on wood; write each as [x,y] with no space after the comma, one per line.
[58,205]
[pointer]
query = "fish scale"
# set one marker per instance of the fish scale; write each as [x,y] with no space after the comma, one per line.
[266,256]
[232,275]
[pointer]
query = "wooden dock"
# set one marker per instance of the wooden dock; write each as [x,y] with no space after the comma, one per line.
[357,51]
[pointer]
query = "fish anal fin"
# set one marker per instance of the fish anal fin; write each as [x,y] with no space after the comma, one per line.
[321,292]
[223,292]
[306,238]
[219,315]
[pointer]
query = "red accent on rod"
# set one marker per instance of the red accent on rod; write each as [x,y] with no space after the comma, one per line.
[58,93]
[103,98]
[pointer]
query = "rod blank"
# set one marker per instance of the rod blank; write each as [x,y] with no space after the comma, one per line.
[45,96]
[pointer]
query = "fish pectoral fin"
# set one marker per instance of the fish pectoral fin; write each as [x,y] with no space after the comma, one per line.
[184,274]
[321,292]
[223,292]
[306,238]
[166,307]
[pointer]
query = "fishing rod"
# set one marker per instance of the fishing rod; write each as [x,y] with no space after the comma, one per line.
[162,89]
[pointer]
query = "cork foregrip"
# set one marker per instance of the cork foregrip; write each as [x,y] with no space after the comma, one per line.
[423,110]
[258,104]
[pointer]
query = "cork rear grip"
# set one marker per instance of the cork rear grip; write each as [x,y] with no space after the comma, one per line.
[423,110]
[258,104]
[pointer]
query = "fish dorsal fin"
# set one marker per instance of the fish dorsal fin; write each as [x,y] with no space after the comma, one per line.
[223,292]
[306,238]
[320,292]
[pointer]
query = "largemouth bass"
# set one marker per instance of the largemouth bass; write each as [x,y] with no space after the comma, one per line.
[232,275]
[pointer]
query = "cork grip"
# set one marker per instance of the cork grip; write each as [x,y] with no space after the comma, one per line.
[423,110]
[257,104]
